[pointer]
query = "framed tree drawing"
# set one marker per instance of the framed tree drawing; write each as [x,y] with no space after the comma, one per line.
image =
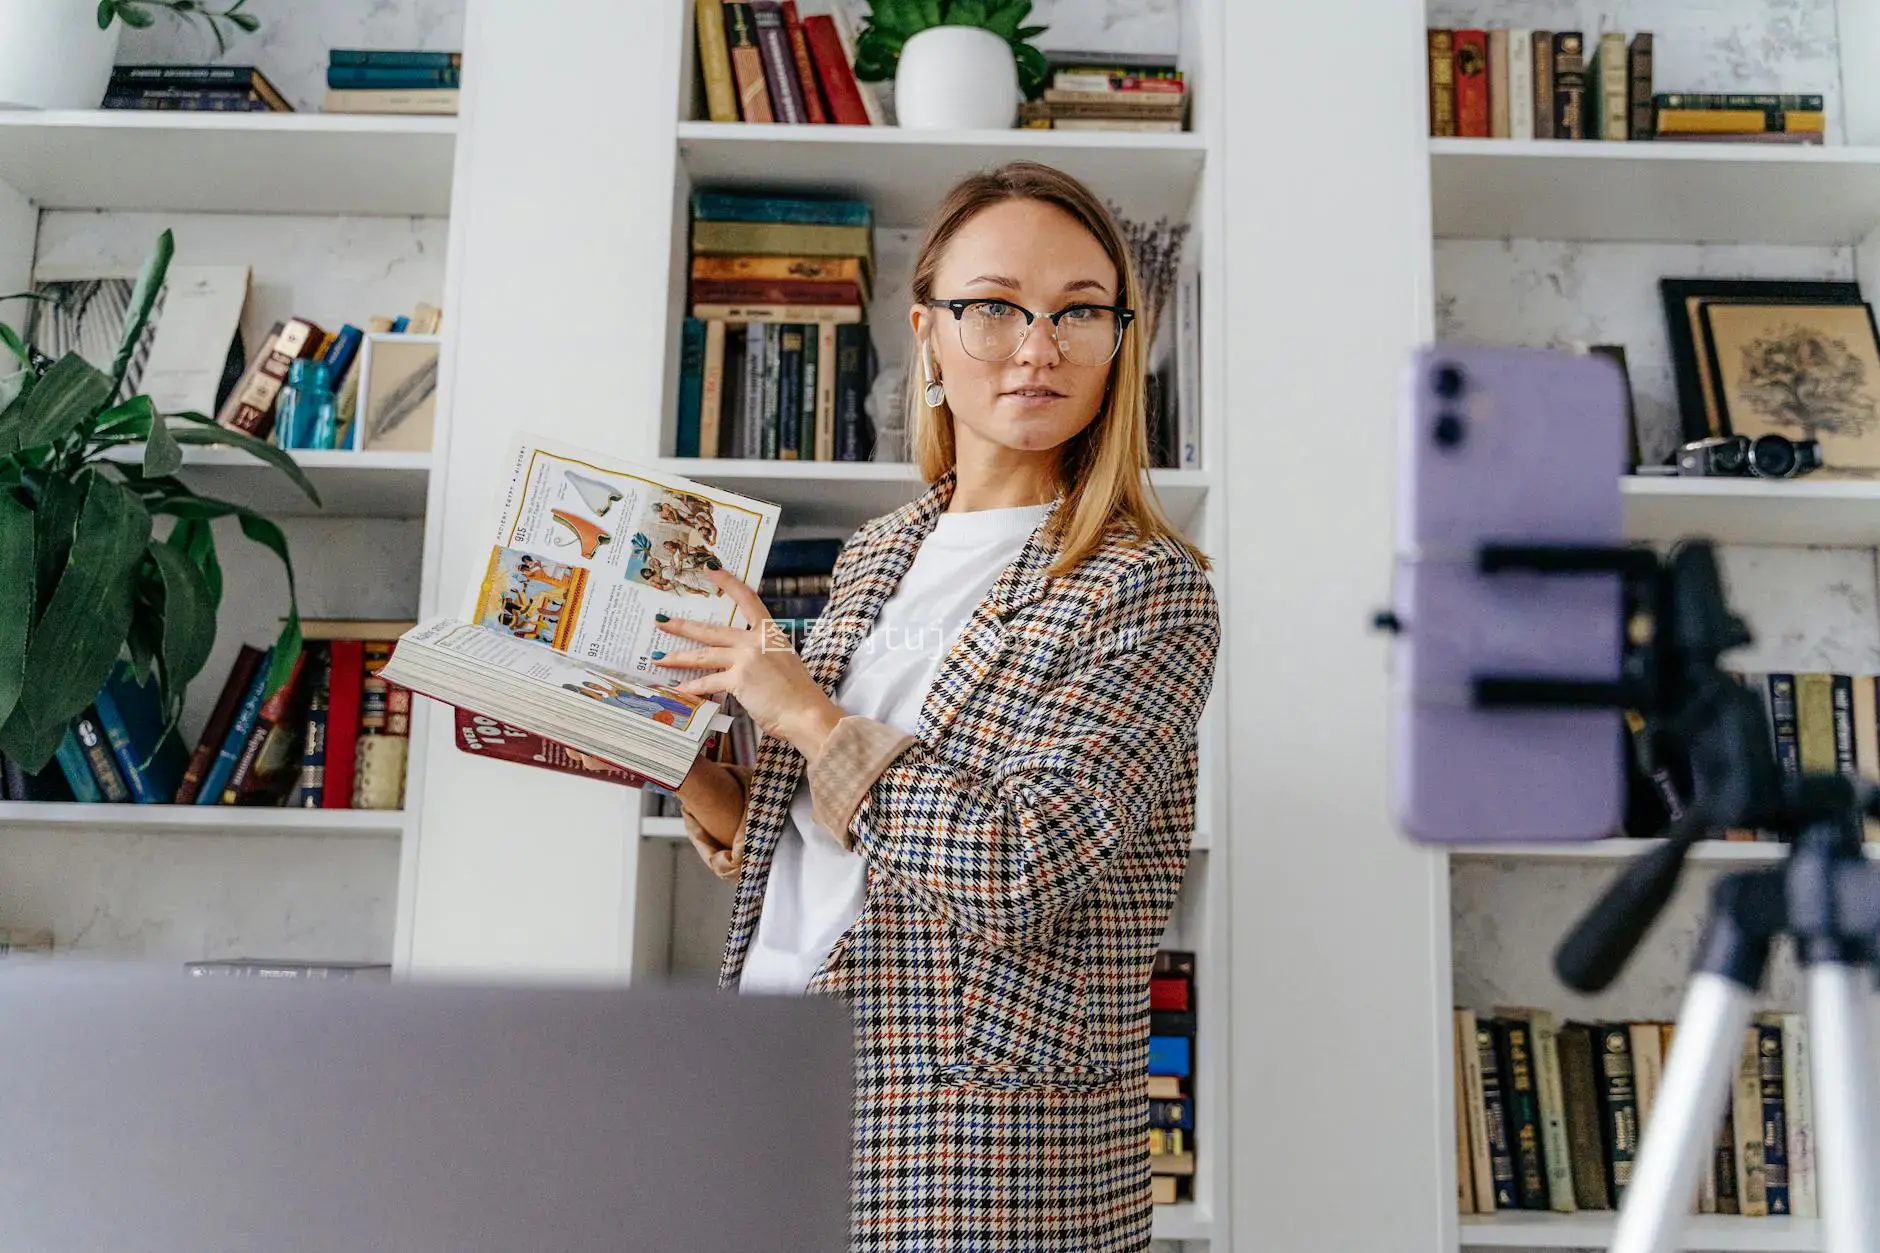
[1805,371]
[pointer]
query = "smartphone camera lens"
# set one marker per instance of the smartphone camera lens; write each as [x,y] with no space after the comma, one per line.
[1448,382]
[1448,431]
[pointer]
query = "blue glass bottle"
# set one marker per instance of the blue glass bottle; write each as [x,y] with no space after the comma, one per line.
[309,412]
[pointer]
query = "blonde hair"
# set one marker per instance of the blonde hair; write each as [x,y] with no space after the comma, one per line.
[1102,471]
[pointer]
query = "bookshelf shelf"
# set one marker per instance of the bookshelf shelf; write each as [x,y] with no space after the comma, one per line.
[1722,1233]
[846,493]
[351,484]
[905,173]
[308,163]
[1182,1221]
[1754,511]
[1653,192]
[1615,851]
[386,824]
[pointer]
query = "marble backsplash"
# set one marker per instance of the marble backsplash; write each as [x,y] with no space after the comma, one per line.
[295,35]
[1697,45]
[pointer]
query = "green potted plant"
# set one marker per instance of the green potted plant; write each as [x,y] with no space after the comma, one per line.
[58,54]
[104,552]
[956,64]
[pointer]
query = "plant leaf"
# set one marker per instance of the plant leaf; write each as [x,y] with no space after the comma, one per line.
[195,539]
[187,627]
[15,345]
[876,55]
[65,399]
[143,299]
[971,13]
[247,21]
[106,10]
[16,599]
[134,16]
[60,500]
[1033,70]
[1030,32]
[287,646]
[215,433]
[162,454]
[132,418]
[84,627]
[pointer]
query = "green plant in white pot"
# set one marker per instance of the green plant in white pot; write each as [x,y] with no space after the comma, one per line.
[956,64]
[58,54]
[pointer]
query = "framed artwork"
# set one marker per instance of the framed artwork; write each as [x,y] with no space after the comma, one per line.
[1807,371]
[397,393]
[1684,300]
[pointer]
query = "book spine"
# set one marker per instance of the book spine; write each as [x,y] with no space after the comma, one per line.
[1556,1155]
[1500,121]
[747,63]
[773,354]
[834,72]
[97,750]
[854,438]
[789,385]
[392,77]
[1782,715]
[1841,698]
[826,367]
[1541,43]
[310,784]
[805,71]
[409,59]
[714,61]
[807,375]
[1619,1104]
[1523,1114]
[745,291]
[773,46]
[1472,83]
[345,683]
[236,740]
[1798,1110]
[1491,1043]
[1569,85]
[77,771]
[712,391]
[1442,81]
[250,408]
[691,387]
[124,751]
[1775,1132]
[1520,83]
[1639,87]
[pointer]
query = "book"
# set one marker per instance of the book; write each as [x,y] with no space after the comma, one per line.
[557,633]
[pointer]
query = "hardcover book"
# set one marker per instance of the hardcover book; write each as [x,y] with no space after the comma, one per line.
[556,635]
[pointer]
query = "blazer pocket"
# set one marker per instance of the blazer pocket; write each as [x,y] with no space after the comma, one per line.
[1024,1012]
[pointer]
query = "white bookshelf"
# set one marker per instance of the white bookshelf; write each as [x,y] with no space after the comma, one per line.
[230,162]
[1732,196]
[1665,192]
[351,898]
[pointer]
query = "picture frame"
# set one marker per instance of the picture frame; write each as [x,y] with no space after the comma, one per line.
[1683,300]
[1803,371]
[397,408]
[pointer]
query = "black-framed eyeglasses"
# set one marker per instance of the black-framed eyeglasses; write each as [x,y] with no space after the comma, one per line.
[991,329]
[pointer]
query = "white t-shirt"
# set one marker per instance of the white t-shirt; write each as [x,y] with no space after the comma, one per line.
[816,886]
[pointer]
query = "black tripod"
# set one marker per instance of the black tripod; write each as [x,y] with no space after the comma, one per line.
[1825,894]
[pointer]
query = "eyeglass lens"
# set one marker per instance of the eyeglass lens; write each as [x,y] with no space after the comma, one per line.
[994,330]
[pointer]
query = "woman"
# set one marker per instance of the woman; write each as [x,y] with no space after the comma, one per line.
[974,796]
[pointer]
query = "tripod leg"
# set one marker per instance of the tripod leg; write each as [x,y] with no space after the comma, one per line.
[1843,1108]
[1705,1050]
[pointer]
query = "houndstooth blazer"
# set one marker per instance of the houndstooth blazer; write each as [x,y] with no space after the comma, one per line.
[1024,851]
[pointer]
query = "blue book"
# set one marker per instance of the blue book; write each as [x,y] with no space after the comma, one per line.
[401,324]
[76,769]
[237,737]
[409,58]
[691,387]
[131,715]
[392,77]
[1169,1055]
[725,206]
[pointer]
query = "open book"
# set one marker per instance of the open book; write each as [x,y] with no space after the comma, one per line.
[555,635]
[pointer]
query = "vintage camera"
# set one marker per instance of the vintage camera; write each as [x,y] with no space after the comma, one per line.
[1739,456]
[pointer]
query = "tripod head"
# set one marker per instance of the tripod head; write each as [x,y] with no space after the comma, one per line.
[1679,624]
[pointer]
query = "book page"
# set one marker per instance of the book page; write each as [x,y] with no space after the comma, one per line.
[588,548]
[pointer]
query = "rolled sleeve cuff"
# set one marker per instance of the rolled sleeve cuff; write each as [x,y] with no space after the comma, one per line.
[857,751]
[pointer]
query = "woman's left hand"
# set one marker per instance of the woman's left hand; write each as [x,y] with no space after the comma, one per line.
[757,665]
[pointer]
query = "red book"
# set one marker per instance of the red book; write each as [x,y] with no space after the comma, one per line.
[486,737]
[1472,84]
[783,291]
[345,686]
[799,49]
[1170,992]
[833,71]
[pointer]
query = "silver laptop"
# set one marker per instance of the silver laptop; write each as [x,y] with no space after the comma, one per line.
[143,1109]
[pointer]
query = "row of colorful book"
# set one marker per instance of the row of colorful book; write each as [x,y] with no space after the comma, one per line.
[776,359]
[1171,1084]
[392,80]
[1550,1114]
[1817,722]
[1527,83]
[334,735]
[760,61]
[1109,91]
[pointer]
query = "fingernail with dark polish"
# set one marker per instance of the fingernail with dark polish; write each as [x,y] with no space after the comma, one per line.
[714,563]
[660,617]
[658,656]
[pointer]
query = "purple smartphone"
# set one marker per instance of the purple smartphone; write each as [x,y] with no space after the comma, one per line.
[1508,445]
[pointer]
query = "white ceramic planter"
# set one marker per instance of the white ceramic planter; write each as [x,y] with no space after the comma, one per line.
[955,78]
[53,56]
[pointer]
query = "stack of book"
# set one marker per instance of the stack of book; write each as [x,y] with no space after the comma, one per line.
[1725,117]
[333,736]
[1106,91]
[194,89]
[776,358]
[760,61]
[392,81]
[1549,1115]
[1172,1077]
